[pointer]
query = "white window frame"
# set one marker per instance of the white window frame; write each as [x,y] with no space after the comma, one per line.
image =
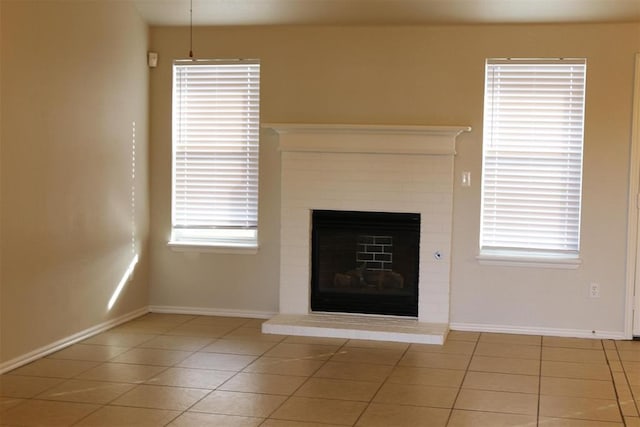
[215,155]
[526,124]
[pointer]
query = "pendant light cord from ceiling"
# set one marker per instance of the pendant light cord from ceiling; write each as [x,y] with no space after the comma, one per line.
[191,29]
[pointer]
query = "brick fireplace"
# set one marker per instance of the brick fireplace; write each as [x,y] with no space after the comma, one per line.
[369,168]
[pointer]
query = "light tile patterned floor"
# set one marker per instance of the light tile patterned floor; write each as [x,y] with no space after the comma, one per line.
[181,370]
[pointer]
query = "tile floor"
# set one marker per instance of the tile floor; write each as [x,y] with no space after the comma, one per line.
[181,370]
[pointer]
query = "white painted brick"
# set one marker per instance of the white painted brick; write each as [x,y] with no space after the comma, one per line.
[367,182]
[295,236]
[298,256]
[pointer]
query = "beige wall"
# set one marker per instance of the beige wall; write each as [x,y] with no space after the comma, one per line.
[73,82]
[411,75]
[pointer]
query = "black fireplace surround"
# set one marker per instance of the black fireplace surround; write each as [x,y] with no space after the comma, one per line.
[365,262]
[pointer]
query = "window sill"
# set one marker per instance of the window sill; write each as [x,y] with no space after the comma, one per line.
[227,247]
[532,260]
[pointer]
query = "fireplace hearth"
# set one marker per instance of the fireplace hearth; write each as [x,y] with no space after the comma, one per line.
[365,262]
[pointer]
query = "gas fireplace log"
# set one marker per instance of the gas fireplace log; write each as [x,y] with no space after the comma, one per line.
[368,278]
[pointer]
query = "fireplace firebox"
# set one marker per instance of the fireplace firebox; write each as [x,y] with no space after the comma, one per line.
[365,262]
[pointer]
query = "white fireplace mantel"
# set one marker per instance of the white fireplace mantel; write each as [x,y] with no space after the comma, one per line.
[367,139]
[374,168]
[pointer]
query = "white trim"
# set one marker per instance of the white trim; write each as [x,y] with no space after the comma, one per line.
[240,249]
[449,131]
[367,139]
[209,311]
[216,61]
[532,330]
[632,224]
[69,340]
[528,261]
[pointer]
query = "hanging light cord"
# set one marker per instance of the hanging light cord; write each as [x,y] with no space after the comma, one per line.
[191,29]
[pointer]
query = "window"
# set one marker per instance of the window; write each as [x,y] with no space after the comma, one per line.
[532,158]
[215,153]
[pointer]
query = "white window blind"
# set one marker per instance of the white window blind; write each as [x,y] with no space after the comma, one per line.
[532,156]
[215,152]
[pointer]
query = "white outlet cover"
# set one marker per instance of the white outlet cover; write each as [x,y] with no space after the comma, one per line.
[594,290]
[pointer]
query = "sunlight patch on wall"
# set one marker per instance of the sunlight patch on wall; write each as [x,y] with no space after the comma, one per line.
[133,188]
[128,274]
[125,278]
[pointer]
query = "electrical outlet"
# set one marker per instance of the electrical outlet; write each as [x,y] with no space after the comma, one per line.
[594,290]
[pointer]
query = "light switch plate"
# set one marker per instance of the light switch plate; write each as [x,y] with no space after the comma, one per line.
[466,179]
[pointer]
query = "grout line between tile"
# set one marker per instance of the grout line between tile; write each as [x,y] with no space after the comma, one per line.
[166,368]
[308,377]
[613,382]
[466,371]
[324,362]
[192,353]
[627,383]
[386,378]
[539,383]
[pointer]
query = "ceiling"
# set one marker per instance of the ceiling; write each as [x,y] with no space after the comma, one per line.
[386,12]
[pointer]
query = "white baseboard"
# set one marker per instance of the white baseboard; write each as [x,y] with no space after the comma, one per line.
[67,341]
[206,311]
[530,330]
